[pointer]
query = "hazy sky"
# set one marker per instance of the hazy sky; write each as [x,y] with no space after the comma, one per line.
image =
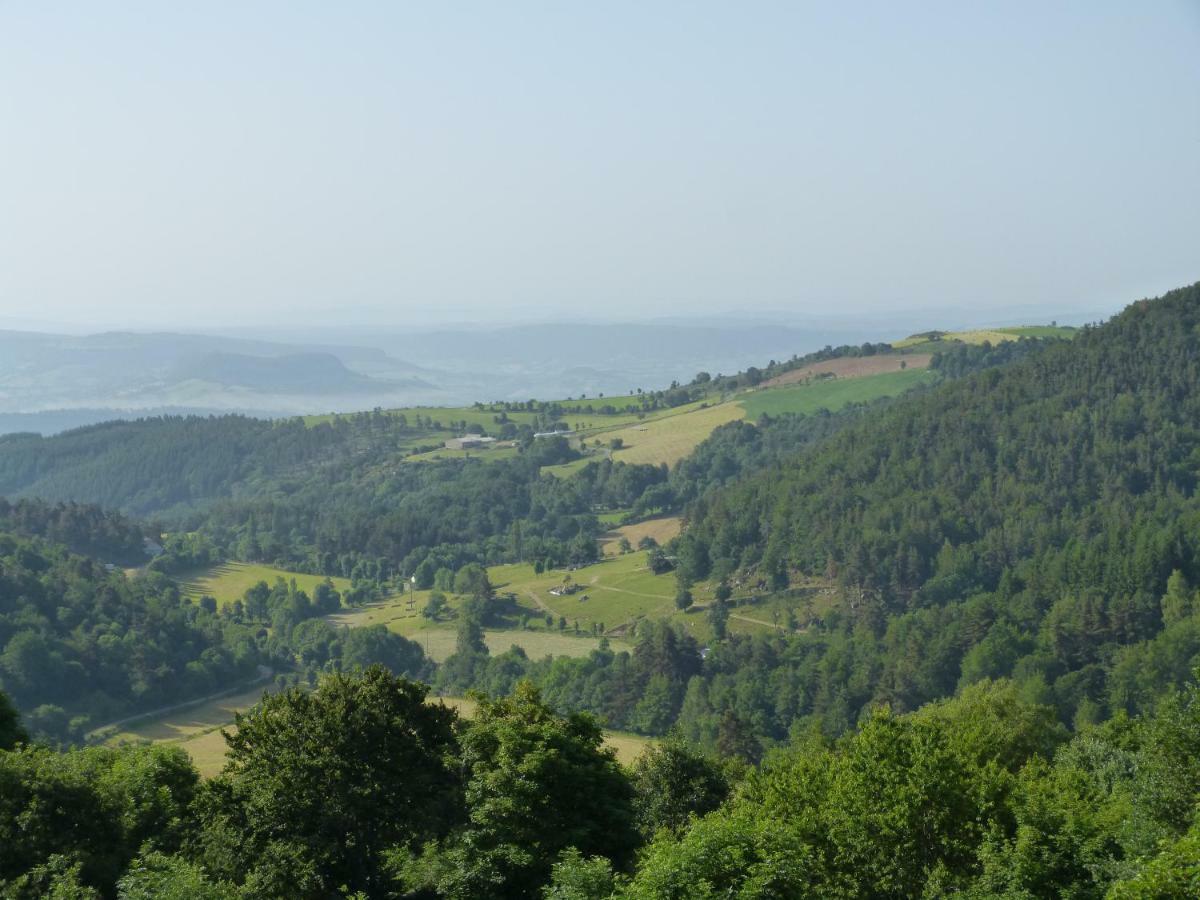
[217,163]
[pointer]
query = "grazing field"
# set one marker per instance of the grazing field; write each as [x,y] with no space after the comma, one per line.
[230,581]
[832,394]
[438,643]
[854,367]
[206,744]
[662,530]
[614,593]
[668,438]
[990,335]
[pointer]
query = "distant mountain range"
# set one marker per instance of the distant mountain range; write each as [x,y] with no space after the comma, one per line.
[49,382]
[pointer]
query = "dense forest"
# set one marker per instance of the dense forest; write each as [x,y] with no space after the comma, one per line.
[361,788]
[1037,520]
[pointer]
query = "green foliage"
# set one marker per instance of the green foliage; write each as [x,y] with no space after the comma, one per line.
[11,732]
[1020,521]
[319,785]
[436,606]
[536,784]
[672,783]
[575,878]
[81,816]
[156,876]
[78,639]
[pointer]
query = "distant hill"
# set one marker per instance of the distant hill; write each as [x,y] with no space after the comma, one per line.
[292,373]
[49,382]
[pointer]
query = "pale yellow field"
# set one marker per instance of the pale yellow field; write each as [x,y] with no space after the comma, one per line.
[671,438]
[190,721]
[439,643]
[230,581]
[207,748]
[662,530]
[666,439]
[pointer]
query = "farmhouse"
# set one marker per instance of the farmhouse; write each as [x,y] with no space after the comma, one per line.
[470,442]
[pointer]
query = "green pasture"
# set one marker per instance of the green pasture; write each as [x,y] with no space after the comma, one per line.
[230,581]
[831,394]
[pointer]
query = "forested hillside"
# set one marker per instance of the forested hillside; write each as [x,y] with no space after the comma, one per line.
[1022,521]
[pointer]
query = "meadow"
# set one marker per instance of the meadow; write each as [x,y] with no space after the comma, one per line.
[662,530]
[230,581]
[666,437]
[832,394]
[990,335]
[197,730]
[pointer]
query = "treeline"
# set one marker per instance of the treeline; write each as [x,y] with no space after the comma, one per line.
[80,644]
[1023,521]
[82,528]
[155,466]
[984,795]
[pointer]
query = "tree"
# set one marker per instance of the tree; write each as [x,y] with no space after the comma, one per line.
[436,607]
[11,732]
[1179,602]
[376,645]
[472,580]
[718,618]
[683,599]
[537,784]
[575,878]
[156,876]
[74,820]
[672,783]
[317,785]
[657,562]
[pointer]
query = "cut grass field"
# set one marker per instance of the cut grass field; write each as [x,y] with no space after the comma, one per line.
[662,530]
[667,438]
[438,643]
[230,581]
[990,335]
[198,731]
[854,367]
[619,591]
[832,394]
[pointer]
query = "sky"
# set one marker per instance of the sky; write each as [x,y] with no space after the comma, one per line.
[221,164]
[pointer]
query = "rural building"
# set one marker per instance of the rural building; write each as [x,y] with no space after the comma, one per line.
[470,442]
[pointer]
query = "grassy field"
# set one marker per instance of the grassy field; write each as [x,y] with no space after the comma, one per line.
[618,591]
[662,530]
[831,394]
[990,335]
[666,438]
[230,581]
[854,367]
[438,643]
[198,731]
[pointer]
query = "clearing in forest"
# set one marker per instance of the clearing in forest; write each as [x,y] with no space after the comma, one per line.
[854,367]
[662,530]
[832,394]
[230,581]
